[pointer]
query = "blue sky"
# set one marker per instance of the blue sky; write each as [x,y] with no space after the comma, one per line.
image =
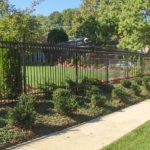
[47,6]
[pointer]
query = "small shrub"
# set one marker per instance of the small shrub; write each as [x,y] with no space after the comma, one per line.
[138,81]
[136,89]
[72,85]
[147,85]
[146,81]
[64,101]
[126,83]
[97,100]
[90,82]
[107,88]
[48,89]
[86,85]
[24,114]
[2,122]
[92,90]
[120,93]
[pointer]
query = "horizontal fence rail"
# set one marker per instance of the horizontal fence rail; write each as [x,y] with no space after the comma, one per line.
[25,67]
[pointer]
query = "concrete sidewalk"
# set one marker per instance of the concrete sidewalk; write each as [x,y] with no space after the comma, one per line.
[94,134]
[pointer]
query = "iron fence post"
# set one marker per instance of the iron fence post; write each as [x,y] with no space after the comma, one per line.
[76,58]
[107,68]
[141,64]
[127,75]
[24,65]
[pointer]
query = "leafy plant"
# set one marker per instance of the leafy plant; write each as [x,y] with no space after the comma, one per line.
[48,89]
[146,81]
[126,83]
[136,89]
[107,88]
[139,80]
[120,93]
[97,100]
[24,114]
[64,101]
[12,72]
[92,90]
[72,85]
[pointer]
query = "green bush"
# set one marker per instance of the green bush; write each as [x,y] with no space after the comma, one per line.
[97,100]
[120,93]
[106,88]
[138,80]
[89,82]
[126,83]
[72,85]
[136,89]
[10,72]
[57,36]
[64,101]
[24,114]
[92,90]
[2,122]
[48,89]
[146,81]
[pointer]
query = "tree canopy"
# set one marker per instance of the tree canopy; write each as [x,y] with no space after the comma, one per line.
[57,36]
[127,22]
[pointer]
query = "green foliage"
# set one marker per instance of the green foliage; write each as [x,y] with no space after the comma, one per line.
[48,89]
[146,81]
[9,136]
[136,89]
[72,85]
[91,91]
[139,80]
[11,73]
[131,25]
[55,19]
[126,83]
[64,102]
[67,16]
[107,88]
[2,122]
[14,24]
[24,114]
[57,35]
[97,100]
[120,93]
[90,28]
[87,81]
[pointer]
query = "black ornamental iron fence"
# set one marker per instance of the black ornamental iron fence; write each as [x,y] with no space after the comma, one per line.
[26,66]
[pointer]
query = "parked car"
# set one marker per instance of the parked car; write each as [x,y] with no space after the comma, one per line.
[124,64]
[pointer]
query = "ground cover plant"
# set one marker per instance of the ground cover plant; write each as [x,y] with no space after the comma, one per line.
[136,140]
[63,107]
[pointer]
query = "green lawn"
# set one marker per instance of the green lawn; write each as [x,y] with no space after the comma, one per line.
[52,74]
[139,139]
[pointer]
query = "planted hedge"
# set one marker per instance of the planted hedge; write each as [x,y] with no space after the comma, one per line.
[11,73]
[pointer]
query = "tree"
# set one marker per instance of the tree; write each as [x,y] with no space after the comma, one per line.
[14,25]
[90,28]
[57,36]
[128,21]
[89,7]
[67,16]
[55,19]
[82,18]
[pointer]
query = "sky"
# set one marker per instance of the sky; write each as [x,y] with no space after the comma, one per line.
[47,6]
